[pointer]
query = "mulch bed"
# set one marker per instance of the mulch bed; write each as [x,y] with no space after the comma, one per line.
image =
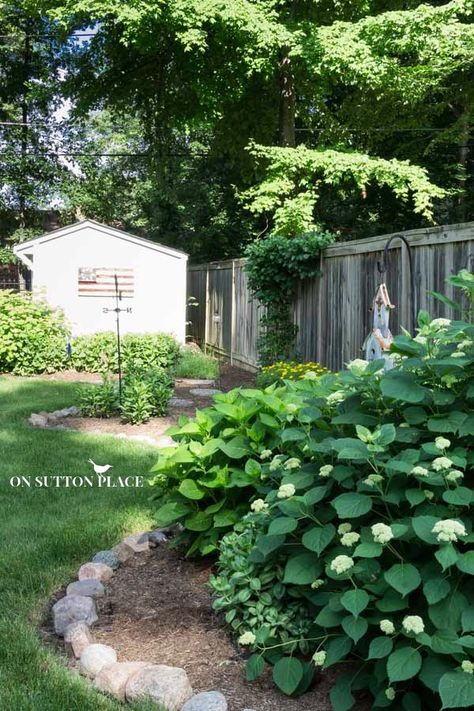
[230,377]
[158,608]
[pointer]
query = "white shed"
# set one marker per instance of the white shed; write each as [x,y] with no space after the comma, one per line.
[76,268]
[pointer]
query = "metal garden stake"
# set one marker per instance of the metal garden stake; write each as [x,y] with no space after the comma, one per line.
[117,310]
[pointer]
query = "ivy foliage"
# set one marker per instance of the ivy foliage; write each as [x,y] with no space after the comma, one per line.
[275,267]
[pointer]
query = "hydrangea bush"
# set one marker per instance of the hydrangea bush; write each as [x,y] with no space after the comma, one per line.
[373,530]
[356,494]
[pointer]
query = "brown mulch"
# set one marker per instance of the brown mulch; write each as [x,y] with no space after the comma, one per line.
[158,608]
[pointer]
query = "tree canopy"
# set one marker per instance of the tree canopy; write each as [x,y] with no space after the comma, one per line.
[222,121]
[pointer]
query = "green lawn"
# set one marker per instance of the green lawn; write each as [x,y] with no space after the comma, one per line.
[46,534]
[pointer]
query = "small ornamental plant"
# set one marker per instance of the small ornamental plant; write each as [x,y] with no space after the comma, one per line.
[288,370]
[374,533]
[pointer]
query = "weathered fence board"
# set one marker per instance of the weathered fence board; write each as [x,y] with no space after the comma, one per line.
[332,311]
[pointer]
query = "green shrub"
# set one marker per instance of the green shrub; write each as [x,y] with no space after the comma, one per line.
[287,370]
[194,364]
[97,352]
[33,335]
[99,400]
[362,497]
[146,395]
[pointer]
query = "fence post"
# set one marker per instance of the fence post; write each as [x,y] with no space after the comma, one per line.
[206,315]
[232,315]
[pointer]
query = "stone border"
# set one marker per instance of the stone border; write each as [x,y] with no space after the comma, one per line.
[76,612]
[51,420]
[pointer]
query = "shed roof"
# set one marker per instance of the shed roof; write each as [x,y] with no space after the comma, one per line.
[25,247]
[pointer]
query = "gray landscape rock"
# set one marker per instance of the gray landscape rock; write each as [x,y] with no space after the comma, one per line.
[168,686]
[204,392]
[123,552]
[108,558]
[207,701]
[138,542]
[95,657]
[113,678]
[38,420]
[77,637]
[180,402]
[89,587]
[72,411]
[156,537]
[73,608]
[195,382]
[97,571]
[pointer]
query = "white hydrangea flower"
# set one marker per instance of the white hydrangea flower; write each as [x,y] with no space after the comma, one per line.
[419,471]
[428,494]
[292,463]
[413,623]
[344,528]
[337,396]
[326,470]
[341,564]
[382,533]
[373,479]
[420,339]
[319,658]
[442,443]
[246,639]
[467,666]
[441,463]
[259,505]
[465,344]
[454,475]
[358,366]
[275,463]
[448,530]
[286,491]
[441,322]
[310,375]
[266,454]
[317,583]
[458,354]
[390,693]
[387,626]
[350,539]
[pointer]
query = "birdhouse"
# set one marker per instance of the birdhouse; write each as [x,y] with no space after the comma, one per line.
[378,342]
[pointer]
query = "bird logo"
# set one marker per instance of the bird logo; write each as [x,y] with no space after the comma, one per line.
[100,469]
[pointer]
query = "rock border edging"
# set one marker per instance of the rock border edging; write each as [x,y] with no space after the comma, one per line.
[76,612]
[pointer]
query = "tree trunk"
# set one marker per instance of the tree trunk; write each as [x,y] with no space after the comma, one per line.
[24,127]
[287,101]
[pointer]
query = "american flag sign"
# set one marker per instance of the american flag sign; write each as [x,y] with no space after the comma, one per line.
[100,281]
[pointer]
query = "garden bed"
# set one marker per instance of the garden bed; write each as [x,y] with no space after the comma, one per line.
[157,607]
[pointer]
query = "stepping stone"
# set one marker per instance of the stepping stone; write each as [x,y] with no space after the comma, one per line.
[78,636]
[204,392]
[113,678]
[195,381]
[138,542]
[73,608]
[95,657]
[89,587]
[207,701]
[168,686]
[107,558]
[97,571]
[38,420]
[180,402]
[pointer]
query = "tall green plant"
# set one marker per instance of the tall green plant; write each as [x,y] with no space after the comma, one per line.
[276,266]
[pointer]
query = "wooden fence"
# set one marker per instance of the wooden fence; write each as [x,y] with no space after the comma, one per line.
[332,311]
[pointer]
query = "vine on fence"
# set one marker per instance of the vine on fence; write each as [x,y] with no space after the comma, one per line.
[275,265]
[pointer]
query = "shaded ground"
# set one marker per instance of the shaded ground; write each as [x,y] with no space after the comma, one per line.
[158,608]
[230,377]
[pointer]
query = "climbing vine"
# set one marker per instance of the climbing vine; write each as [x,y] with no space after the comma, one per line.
[275,265]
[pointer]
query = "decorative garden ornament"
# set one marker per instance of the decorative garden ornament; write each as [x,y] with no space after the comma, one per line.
[378,342]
